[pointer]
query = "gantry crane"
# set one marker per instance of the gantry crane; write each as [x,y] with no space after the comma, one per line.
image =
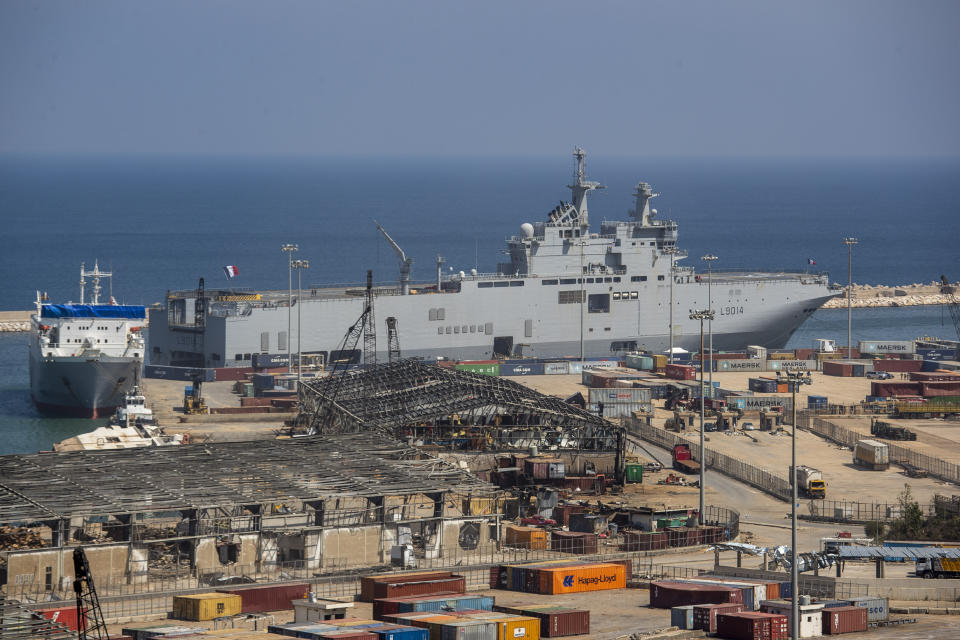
[90,624]
[953,306]
[393,340]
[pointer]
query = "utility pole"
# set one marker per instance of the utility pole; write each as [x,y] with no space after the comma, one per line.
[849,242]
[299,265]
[701,316]
[794,379]
[671,251]
[289,249]
[709,258]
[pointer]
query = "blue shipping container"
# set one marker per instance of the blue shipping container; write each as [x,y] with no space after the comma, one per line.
[937,354]
[523,369]
[456,603]
[177,373]
[786,590]
[556,368]
[682,617]
[401,632]
[269,360]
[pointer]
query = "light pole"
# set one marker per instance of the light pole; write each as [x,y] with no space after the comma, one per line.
[709,258]
[701,316]
[289,249]
[671,251]
[299,265]
[849,242]
[794,379]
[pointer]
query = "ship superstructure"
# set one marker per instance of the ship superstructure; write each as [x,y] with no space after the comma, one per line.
[85,357]
[565,292]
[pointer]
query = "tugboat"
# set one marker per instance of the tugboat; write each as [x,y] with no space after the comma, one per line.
[85,357]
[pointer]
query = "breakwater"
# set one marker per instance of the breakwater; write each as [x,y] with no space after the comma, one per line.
[910,295]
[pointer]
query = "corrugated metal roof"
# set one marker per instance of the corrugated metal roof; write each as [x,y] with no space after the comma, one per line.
[897,552]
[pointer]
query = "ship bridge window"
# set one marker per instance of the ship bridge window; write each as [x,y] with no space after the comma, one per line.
[608,279]
[638,278]
[568,281]
[548,282]
[238,356]
[516,283]
[598,303]
[659,277]
[484,285]
[616,278]
[501,284]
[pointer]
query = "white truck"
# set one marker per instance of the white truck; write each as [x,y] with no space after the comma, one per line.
[810,482]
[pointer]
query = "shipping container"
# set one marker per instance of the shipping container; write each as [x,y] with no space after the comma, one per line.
[483,369]
[872,455]
[897,366]
[409,589]
[525,369]
[681,616]
[562,513]
[573,542]
[367,583]
[451,602]
[878,609]
[681,372]
[937,354]
[837,368]
[586,577]
[525,537]
[556,368]
[67,615]
[466,630]
[844,620]
[555,621]
[509,627]
[739,365]
[752,626]
[400,632]
[940,388]
[705,615]
[666,594]
[206,606]
[634,472]
[186,374]
[811,622]
[887,389]
[608,396]
[886,346]
[273,598]
[792,365]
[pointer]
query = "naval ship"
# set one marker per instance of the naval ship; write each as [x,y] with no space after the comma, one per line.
[567,291]
[84,358]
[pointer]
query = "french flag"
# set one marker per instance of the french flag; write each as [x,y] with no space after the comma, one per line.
[811,261]
[231,271]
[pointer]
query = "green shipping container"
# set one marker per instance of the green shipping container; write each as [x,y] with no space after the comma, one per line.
[634,473]
[485,369]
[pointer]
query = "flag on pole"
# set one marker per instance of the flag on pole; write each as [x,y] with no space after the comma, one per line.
[231,271]
[811,261]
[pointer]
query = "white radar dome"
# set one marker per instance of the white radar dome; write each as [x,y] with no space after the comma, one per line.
[653,212]
[527,229]
[462,275]
[473,272]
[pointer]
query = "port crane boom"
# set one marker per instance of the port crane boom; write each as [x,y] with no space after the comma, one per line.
[405,262]
[953,306]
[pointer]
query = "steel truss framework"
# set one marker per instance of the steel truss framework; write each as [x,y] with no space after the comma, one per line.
[408,397]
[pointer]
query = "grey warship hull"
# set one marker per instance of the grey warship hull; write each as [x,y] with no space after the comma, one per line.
[565,292]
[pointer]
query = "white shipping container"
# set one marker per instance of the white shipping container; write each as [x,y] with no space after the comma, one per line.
[793,365]
[887,346]
[872,452]
[620,395]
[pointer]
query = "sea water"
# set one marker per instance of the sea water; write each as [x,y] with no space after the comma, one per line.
[163,223]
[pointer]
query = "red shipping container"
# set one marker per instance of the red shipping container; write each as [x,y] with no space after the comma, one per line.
[367,582]
[933,389]
[836,368]
[231,373]
[897,365]
[452,584]
[273,598]
[844,620]
[346,635]
[887,389]
[554,623]
[752,625]
[934,376]
[66,615]
[681,372]
[705,615]
[666,595]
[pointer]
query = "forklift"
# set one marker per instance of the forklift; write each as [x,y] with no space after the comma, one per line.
[193,399]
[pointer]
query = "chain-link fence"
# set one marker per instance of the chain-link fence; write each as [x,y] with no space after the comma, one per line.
[857,512]
[841,435]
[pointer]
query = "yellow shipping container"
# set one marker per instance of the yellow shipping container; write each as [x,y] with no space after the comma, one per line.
[659,361]
[518,627]
[588,577]
[206,606]
[526,537]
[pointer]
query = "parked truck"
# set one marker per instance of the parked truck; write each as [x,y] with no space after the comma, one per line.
[938,567]
[872,454]
[810,482]
[682,460]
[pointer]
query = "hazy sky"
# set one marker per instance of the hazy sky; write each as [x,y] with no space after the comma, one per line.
[446,77]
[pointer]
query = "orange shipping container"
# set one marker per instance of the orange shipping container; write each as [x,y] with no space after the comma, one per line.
[587,577]
[525,537]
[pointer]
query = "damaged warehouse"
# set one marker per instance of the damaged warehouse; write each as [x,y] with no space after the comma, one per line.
[460,414]
[212,513]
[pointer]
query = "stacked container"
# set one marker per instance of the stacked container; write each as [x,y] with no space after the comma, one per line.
[705,615]
[665,595]
[844,620]
[878,609]
[206,606]
[681,616]
[274,598]
[555,621]
[681,372]
[368,590]
[450,602]
[752,626]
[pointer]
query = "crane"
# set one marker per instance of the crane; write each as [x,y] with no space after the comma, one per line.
[405,262]
[393,340]
[953,306]
[90,624]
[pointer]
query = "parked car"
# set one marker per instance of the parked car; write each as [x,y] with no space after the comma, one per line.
[879,375]
[748,426]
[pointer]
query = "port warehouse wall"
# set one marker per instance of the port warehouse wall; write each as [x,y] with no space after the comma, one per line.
[848,437]
[269,545]
[737,469]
